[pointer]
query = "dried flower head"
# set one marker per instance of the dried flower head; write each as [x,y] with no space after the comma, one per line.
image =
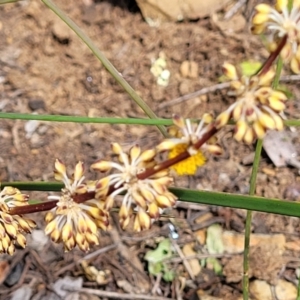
[146,197]
[257,105]
[281,21]
[73,223]
[185,135]
[13,227]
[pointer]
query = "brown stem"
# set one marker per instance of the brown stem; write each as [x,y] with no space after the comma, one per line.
[28,209]
[269,62]
[32,208]
[182,156]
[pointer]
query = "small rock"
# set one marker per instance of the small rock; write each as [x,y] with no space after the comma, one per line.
[31,8]
[62,285]
[14,275]
[36,104]
[285,290]
[269,172]
[156,12]
[248,159]
[24,293]
[189,69]
[30,127]
[260,290]
[203,296]
[61,32]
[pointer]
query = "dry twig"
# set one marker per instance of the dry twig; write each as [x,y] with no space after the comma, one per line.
[219,86]
[182,257]
[116,295]
[234,9]
[203,91]
[87,257]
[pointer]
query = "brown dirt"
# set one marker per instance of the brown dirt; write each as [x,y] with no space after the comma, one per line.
[46,69]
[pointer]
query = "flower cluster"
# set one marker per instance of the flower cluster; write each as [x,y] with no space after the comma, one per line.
[144,197]
[13,227]
[281,21]
[70,222]
[257,105]
[185,136]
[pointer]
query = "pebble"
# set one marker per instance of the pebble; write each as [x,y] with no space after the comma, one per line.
[189,69]
[36,104]
[61,32]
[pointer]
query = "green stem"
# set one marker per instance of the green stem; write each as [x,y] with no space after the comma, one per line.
[279,67]
[249,221]
[290,5]
[34,186]
[73,119]
[298,290]
[127,121]
[8,1]
[106,63]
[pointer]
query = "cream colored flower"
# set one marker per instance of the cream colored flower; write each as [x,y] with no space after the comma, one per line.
[257,105]
[13,227]
[146,197]
[280,22]
[73,223]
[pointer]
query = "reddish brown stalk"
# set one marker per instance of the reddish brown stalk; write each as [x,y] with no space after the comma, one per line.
[182,156]
[269,62]
[28,209]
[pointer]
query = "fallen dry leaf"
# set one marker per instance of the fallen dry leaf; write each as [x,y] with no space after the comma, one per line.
[200,236]
[188,250]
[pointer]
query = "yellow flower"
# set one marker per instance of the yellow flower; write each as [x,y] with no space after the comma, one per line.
[13,227]
[257,105]
[188,166]
[185,135]
[147,197]
[74,223]
[279,21]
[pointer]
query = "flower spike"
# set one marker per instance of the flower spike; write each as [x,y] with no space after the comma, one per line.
[142,196]
[257,107]
[280,22]
[74,223]
[13,227]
